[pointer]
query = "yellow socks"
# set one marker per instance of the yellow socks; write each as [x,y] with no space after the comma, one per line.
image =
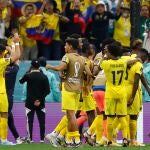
[99,128]
[73,135]
[62,124]
[133,129]
[92,128]
[123,123]
[116,128]
[3,128]
[128,127]
[63,132]
[109,128]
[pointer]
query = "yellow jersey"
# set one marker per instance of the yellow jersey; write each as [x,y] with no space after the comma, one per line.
[3,63]
[122,31]
[115,71]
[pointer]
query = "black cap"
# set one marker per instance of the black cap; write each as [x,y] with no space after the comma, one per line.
[35,63]
[42,61]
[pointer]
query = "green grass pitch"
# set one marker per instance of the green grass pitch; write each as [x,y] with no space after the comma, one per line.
[83,147]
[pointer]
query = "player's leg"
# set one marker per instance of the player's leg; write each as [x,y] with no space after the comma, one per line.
[4,120]
[70,103]
[121,113]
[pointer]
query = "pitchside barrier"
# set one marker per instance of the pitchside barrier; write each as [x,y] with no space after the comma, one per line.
[54,114]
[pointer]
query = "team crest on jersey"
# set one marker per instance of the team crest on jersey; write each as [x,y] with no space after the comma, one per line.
[64,58]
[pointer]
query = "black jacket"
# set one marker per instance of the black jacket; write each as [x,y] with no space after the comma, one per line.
[37,87]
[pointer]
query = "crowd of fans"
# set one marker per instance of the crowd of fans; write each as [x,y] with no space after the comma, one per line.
[94,20]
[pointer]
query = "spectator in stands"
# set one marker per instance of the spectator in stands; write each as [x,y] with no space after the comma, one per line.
[144,21]
[37,90]
[112,4]
[146,42]
[30,50]
[3,95]
[100,24]
[55,94]
[4,22]
[122,30]
[76,22]
[10,79]
[53,50]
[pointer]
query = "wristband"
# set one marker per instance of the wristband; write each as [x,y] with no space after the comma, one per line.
[13,46]
[17,44]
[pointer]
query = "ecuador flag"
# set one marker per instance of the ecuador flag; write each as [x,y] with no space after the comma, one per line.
[42,27]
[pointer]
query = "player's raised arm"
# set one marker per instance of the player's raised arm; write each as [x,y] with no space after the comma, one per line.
[15,54]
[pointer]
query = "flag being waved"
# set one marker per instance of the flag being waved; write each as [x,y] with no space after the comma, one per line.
[42,27]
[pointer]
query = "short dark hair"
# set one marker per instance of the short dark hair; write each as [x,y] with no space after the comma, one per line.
[107,41]
[42,61]
[35,63]
[115,49]
[85,47]
[135,43]
[54,3]
[2,48]
[73,42]
[126,49]
[75,35]
[143,51]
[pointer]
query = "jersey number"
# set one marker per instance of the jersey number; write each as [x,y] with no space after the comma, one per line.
[117,73]
[76,69]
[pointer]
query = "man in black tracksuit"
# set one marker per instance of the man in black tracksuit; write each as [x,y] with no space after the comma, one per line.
[37,89]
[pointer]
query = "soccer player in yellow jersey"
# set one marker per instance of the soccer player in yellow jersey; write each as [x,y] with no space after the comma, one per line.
[136,45]
[88,104]
[115,95]
[3,96]
[73,65]
[134,95]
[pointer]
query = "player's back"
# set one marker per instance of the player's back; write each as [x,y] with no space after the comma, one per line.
[115,71]
[74,72]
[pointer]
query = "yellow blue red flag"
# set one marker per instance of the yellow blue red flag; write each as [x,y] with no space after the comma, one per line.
[42,27]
